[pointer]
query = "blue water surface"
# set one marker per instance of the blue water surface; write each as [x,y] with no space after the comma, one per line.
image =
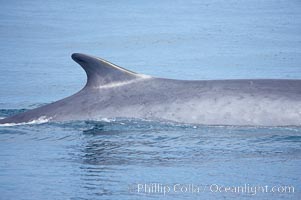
[174,39]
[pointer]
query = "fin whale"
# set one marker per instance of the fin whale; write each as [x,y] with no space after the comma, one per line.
[112,92]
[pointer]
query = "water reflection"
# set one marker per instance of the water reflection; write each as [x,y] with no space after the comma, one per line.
[103,158]
[163,145]
[115,156]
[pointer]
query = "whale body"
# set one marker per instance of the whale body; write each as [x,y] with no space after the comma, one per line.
[114,92]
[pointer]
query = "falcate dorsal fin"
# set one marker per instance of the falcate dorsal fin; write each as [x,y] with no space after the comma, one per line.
[101,72]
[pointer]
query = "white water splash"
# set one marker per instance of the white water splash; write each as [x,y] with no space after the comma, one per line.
[105,120]
[40,120]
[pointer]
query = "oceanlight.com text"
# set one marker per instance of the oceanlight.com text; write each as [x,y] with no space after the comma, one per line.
[177,188]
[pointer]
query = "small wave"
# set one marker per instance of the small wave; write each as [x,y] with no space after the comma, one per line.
[40,120]
[10,112]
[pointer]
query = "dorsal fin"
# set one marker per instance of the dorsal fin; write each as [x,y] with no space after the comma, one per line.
[101,72]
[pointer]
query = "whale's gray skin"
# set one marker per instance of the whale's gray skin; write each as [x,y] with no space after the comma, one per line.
[113,92]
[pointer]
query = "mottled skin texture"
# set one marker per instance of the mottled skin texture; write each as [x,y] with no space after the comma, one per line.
[113,92]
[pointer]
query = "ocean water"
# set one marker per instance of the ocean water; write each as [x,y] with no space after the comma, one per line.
[137,159]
